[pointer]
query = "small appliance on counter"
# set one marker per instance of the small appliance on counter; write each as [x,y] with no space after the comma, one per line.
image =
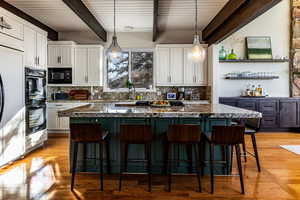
[60,96]
[171,96]
[79,94]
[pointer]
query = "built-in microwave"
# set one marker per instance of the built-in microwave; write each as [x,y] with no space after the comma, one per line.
[59,75]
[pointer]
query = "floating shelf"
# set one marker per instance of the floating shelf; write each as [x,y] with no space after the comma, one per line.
[252,78]
[255,61]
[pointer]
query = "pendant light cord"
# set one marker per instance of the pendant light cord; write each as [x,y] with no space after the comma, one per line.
[196,18]
[114,17]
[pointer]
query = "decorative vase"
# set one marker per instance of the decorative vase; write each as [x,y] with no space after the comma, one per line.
[222,54]
[232,55]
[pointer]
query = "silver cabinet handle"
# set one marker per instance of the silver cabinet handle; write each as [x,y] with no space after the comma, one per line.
[4,24]
[59,59]
[38,60]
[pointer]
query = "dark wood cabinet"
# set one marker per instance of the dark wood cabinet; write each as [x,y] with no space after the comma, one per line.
[289,113]
[278,113]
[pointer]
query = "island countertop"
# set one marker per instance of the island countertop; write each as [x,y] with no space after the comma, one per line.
[187,111]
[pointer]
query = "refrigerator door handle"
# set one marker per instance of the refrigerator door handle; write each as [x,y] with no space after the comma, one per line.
[1,98]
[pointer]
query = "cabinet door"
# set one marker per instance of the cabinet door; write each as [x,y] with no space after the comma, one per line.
[66,55]
[64,123]
[52,119]
[189,69]
[30,47]
[41,51]
[201,73]
[94,66]
[176,66]
[163,67]
[54,56]
[16,30]
[289,113]
[247,104]
[81,63]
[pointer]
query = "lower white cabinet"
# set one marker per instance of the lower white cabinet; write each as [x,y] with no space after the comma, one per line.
[55,123]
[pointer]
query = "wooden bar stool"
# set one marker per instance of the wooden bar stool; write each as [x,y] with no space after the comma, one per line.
[89,133]
[252,127]
[226,136]
[135,134]
[190,136]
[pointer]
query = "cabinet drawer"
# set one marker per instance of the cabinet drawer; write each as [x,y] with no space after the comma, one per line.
[247,104]
[229,102]
[269,121]
[268,106]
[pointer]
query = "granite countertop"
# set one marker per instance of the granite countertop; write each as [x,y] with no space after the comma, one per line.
[115,101]
[187,111]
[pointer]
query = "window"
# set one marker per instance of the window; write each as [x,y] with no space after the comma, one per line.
[135,66]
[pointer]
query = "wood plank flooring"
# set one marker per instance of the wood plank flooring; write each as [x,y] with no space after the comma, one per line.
[44,175]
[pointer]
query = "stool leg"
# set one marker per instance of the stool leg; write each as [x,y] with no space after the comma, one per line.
[223,150]
[101,165]
[126,158]
[198,166]
[170,153]
[190,157]
[74,164]
[149,167]
[244,150]
[238,157]
[255,151]
[84,157]
[108,166]
[231,158]
[212,150]
[121,165]
[166,152]
[202,155]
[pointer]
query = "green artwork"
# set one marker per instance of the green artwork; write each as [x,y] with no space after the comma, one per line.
[259,48]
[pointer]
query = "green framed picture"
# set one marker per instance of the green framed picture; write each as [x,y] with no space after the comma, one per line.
[259,48]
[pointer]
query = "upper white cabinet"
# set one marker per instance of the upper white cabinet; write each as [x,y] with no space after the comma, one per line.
[60,54]
[35,48]
[88,65]
[16,27]
[174,68]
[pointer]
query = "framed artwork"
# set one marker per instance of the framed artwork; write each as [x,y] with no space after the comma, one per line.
[259,48]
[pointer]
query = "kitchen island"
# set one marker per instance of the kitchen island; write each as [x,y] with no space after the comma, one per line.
[111,115]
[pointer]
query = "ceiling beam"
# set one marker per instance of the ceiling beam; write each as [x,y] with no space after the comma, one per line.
[85,15]
[155,20]
[52,34]
[235,19]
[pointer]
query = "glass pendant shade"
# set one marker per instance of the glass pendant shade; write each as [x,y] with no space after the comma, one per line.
[114,51]
[197,53]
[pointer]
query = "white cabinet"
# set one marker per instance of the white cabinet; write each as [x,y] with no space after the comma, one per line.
[16,27]
[56,123]
[35,49]
[88,65]
[174,68]
[60,54]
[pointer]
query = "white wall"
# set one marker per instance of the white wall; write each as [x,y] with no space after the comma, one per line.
[274,23]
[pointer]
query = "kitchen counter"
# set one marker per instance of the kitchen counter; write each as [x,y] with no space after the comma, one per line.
[188,111]
[115,101]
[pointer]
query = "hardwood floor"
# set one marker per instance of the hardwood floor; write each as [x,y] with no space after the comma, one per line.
[44,175]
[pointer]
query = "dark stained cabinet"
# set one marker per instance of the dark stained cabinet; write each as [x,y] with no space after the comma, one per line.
[278,113]
[289,113]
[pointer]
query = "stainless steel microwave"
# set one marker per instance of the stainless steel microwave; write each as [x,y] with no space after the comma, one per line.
[59,75]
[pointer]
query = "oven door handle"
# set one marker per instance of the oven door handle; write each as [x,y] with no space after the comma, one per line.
[2,98]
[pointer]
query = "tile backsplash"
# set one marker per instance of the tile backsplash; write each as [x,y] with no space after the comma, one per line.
[197,93]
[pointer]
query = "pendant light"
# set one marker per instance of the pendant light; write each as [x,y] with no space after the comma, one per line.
[114,51]
[197,53]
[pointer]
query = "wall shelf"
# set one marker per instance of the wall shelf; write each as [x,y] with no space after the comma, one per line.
[255,61]
[252,78]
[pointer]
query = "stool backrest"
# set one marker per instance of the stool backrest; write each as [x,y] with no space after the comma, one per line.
[184,133]
[86,132]
[229,135]
[135,134]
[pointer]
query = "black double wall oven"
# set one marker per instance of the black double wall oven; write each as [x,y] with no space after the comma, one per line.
[35,100]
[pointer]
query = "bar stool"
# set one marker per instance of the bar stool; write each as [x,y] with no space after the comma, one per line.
[189,135]
[226,136]
[89,133]
[135,134]
[252,127]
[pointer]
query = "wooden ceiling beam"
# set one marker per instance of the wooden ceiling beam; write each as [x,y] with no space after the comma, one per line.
[52,34]
[86,16]
[155,20]
[236,18]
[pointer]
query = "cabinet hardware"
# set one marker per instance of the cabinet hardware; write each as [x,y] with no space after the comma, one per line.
[38,60]
[4,24]
[59,59]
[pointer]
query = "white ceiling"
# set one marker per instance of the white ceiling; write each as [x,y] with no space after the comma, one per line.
[173,14]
